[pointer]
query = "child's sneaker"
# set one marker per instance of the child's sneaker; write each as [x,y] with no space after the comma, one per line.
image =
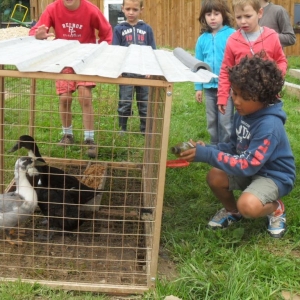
[223,219]
[277,222]
[92,148]
[66,140]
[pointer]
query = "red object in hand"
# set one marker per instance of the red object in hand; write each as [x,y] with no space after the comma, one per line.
[177,163]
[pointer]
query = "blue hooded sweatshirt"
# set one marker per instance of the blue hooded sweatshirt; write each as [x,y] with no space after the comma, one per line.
[139,34]
[258,146]
[210,49]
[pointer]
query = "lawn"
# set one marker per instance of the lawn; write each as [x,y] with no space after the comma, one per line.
[242,262]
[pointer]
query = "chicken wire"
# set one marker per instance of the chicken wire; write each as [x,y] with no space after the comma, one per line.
[116,247]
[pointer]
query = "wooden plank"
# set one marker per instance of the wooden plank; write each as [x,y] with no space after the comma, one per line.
[2,102]
[77,286]
[161,183]
[295,73]
[79,162]
[57,76]
[293,89]
[120,213]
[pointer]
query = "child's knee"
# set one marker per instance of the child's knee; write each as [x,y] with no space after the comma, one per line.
[249,206]
[217,178]
[65,99]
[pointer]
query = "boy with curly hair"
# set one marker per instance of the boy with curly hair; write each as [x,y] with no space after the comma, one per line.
[258,159]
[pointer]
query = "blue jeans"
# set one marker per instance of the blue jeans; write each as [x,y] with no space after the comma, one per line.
[218,125]
[126,96]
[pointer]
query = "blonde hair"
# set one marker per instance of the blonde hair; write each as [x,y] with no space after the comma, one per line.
[141,2]
[242,3]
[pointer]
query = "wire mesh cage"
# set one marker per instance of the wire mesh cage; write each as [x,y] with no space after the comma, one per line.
[114,245]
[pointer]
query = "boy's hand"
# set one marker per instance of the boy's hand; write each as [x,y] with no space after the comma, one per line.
[222,108]
[189,155]
[198,96]
[41,33]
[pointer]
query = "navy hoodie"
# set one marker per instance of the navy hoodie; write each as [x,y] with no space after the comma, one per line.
[139,34]
[258,146]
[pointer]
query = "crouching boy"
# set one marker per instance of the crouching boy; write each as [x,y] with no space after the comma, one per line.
[258,159]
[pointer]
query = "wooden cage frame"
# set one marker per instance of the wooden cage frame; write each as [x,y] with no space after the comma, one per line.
[157,86]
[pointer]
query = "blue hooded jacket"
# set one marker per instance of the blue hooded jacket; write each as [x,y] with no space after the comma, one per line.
[258,146]
[139,34]
[210,49]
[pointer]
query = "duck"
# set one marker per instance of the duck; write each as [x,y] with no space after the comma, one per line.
[60,209]
[54,177]
[17,206]
[59,194]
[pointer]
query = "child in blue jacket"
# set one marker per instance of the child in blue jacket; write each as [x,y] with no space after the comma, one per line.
[215,20]
[258,158]
[133,31]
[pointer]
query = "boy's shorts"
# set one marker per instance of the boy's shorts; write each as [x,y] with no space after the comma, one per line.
[263,188]
[63,86]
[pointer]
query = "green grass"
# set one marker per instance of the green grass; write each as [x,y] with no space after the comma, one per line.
[243,262]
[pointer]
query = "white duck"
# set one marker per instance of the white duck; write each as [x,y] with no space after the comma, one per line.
[17,206]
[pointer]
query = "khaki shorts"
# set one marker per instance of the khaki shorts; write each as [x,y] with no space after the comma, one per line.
[63,86]
[263,188]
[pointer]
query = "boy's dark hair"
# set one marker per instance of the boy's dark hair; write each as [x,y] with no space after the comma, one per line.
[258,78]
[218,5]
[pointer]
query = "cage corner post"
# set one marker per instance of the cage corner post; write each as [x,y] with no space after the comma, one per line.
[2,94]
[156,228]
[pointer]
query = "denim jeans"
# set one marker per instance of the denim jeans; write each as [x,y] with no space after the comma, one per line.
[218,125]
[126,97]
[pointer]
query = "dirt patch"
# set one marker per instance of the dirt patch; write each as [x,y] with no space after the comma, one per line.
[166,268]
[108,248]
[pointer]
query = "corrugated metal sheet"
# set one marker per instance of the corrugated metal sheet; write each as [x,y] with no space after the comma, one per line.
[30,55]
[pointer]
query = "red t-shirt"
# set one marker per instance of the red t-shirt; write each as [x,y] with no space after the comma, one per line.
[79,24]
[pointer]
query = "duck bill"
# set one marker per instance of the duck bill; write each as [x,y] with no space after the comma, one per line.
[14,148]
[39,163]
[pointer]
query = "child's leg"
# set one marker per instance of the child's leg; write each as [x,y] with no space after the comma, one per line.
[212,113]
[125,105]
[85,101]
[142,94]
[219,184]
[65,89]
[225,123]
[260,199]
[65,102]
[251,207]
